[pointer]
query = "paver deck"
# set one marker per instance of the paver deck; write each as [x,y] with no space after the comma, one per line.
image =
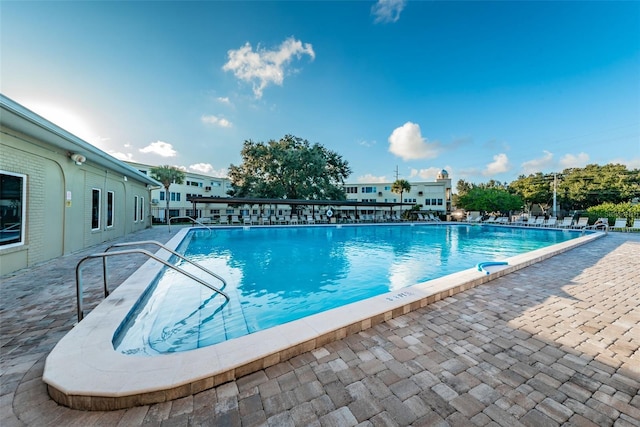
[556,343]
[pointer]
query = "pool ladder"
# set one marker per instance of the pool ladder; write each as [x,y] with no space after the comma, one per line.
[106,253]
[193,220]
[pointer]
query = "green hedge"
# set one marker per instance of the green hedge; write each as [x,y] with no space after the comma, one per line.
[613,211]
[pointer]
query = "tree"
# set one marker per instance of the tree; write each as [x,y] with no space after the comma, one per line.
[167,175]
[490,200]
[400,186]
[534,189]
[290,168]
[593,185]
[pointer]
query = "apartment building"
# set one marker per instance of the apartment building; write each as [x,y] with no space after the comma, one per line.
[433,197]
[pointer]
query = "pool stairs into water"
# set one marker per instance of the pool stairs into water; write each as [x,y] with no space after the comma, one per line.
[106,253]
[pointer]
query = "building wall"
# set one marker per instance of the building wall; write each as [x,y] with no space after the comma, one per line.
[59,201]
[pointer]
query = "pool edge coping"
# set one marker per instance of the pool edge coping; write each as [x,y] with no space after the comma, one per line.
[84,372]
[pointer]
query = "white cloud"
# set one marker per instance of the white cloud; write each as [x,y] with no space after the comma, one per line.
[264,67]
[386,11]
[218,121]
[499,165]
[369,178]
[630,163]
[223,100]
[429,173]
[126,157]
[571,161]
[538,165]
[407,142]
[207,169]
[367,144]
[160,148]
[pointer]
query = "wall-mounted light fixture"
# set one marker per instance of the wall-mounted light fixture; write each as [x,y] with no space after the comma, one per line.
[79,159]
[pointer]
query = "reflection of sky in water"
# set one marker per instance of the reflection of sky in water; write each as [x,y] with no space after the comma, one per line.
[275,275]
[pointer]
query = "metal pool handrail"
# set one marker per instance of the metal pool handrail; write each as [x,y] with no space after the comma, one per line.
[79,288]
[154,242]
[189,218]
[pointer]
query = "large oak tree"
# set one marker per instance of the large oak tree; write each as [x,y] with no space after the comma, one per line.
[291,168]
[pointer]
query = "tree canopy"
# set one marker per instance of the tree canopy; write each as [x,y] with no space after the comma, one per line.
[580,188]
[489,199]
[400,186]
[290,168]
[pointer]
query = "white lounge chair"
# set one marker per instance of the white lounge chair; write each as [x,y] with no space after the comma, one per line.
[235,220]
[582,222]
[551,222]
[224,220]
[621,224]
[635,226]
[566,222]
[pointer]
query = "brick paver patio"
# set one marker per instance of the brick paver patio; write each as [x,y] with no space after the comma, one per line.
[553,344]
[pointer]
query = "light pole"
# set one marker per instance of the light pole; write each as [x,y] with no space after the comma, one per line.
[555,187]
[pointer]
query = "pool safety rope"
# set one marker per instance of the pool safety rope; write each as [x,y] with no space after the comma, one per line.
[481,266]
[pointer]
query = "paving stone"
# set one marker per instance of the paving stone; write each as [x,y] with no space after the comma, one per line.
[535,418]
[467,405]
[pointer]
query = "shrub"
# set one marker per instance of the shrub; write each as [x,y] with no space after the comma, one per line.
[613,211]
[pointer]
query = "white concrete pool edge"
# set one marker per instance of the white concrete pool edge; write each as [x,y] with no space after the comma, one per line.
[84,371]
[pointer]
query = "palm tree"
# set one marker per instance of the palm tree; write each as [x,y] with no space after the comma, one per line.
[167,175]
[400,186]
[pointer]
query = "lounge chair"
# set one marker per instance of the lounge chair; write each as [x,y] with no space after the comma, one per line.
[531,220]
[582,222]
[635,226]
[246,220]
[235,220]
[224,219]
[621,224]
[566,222]
[551,222]
[490,220]
[294,220]
[539,222]
[310,220]
[433,218]
[503,220]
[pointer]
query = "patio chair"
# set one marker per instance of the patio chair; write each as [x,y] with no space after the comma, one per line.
[551,222]
[621,224]
[582,222]
[566,222]
[224,220]
[635,226]
[235,220]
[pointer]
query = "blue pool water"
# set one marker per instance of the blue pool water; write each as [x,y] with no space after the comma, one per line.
[278,274]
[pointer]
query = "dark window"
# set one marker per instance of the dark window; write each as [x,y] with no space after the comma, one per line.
[13,190]
[95,209]
[109,208]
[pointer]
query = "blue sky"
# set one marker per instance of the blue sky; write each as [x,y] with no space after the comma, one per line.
[486,90]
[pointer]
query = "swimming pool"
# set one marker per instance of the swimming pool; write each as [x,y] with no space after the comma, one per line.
[103,378]
[277,275]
